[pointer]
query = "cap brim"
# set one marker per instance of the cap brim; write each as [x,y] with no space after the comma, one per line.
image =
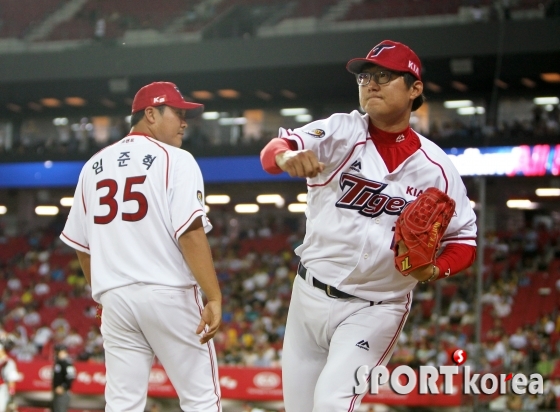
[194,112]
[193,109]
[356,65]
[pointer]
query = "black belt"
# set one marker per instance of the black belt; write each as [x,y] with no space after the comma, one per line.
[331,291]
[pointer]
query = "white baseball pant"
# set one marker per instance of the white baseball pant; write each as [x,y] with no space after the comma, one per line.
[325,344]
[4,397]
[141,320]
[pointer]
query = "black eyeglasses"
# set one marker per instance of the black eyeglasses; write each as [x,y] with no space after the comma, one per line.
[380,77]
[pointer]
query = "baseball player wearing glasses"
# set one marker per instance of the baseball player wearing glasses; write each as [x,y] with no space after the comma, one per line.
[350,302]
[139,227]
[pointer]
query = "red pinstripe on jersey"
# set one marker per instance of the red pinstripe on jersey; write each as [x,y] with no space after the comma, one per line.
[299,137]
[188,220]
[440,167]
[84,201]
[151,139]
[216,390]
[73,241]
[389,348]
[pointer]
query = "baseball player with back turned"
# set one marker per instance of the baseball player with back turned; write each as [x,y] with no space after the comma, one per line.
[139,227]
[349,302]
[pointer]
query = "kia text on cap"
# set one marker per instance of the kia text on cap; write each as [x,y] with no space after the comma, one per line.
[391,55]
[164,93]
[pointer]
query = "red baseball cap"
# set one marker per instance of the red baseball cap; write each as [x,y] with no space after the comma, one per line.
[391,55]
[164,93]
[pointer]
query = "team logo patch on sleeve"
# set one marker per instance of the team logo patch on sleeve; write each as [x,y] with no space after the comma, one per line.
[317,133]
[199,197]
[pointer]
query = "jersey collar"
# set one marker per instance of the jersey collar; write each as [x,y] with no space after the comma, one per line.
[384,138]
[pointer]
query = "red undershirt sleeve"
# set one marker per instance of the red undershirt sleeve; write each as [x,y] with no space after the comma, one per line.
[273,148]
[455,258]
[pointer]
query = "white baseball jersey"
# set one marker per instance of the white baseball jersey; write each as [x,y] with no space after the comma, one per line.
[352,206]
[8,373]
[133,201]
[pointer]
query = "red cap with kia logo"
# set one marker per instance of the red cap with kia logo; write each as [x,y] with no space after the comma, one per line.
[392,55]
[164,93]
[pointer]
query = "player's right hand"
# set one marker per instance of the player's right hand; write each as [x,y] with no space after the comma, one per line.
[210,320]
[300,163]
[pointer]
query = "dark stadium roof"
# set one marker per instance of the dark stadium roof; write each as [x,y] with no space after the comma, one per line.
[272,71]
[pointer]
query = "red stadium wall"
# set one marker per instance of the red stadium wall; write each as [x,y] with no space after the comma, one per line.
[240,383]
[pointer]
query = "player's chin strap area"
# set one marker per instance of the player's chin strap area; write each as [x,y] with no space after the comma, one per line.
[331,291]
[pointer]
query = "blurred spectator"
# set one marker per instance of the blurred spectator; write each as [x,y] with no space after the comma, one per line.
[425,353]
[44,267]
[495,352]
[60,327]
[14,284]
[78,282]
[491,296]
[233,356]
[457,309]
[73,340]
[468,318]
[42,337]
[27,296]
[548,402]
[530,402]
[32,317]
[545,326]
[518,340]
[57,274]
[60,300]
[545,366]
[42,288]
[273,303]
[514,402]
[16,314]
[502,308]
[94,340]
[262,358]
[90,311]
[24,350]
[553,385]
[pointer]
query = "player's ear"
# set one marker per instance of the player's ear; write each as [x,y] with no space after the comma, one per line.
[416,89]
[150,114]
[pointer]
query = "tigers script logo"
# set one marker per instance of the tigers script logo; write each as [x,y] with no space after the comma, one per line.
[365,196]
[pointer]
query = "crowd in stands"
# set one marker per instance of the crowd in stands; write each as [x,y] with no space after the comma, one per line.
[45,300]
[80,140]
[541,126]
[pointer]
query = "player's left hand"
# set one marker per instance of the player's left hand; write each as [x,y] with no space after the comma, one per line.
[211,317]
[422,273]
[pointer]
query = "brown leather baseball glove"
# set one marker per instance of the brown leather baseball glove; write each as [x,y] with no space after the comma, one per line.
[420,228]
